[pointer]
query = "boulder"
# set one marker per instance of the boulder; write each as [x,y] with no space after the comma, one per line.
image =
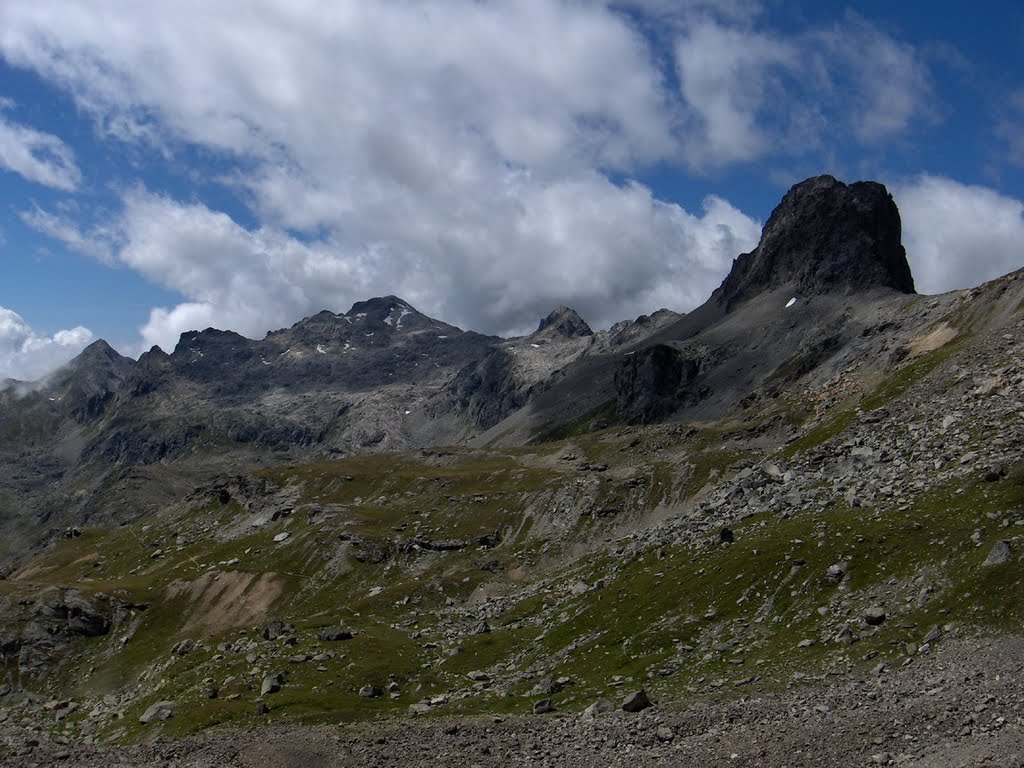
[1000,553]
[161,710]
[543,707]
[271,684]
[276,629]
[636,701]
[332,634]
[599,707]
[874,616]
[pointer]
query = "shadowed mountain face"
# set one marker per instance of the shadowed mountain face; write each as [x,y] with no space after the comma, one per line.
[829,267]
[828,272]
[824,237]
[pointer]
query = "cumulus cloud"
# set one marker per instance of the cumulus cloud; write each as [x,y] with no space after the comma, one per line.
[958,235]
[749,92]
[39,157]
[28,355]
[468,156]
[497,270]
[728,76]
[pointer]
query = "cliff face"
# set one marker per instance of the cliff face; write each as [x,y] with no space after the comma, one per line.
[824,237]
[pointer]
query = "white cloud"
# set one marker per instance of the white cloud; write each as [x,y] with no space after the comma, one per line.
[958,235]
[28,355]
[96,244]
[457,153]
[748,92]
[39,157]
[728,76]
[506,265]
[883,84]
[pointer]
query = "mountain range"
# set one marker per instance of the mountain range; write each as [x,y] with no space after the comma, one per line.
[685,503]
[385,377]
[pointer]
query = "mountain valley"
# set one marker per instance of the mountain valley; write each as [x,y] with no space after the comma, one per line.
[759,533]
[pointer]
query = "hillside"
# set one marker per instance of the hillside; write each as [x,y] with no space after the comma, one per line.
[763,512]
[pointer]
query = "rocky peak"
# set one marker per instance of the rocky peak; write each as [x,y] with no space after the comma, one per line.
[824,237]
[388,313]
[99,351]
[564,321]
[98,359]
[194,342]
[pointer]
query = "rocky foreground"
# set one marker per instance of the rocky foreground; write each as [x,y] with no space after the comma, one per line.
[962,705]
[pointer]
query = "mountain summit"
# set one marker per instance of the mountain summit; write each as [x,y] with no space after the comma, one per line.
[824,237]
[565,321]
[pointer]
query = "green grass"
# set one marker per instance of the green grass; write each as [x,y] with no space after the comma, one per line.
[652,623]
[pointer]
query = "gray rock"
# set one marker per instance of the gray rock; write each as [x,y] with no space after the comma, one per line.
[370,692]
[599,707]
[874,616]
[665,734]
[1000,553]
[271,684]
[332,634]
[825,236]
[542,707]
[276,629]
[836,573]
[934,634]
[636,702]
[161,710]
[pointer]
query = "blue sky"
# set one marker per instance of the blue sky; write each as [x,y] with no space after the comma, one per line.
[171,166]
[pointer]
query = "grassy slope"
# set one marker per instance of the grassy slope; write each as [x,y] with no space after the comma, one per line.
[685,617]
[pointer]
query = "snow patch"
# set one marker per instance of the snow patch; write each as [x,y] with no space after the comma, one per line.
[402,315]
[320,349]
[791,302]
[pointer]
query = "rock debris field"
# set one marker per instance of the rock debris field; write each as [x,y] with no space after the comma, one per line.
[961,706]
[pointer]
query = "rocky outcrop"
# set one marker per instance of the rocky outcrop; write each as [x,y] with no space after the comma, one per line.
[564,321]
[653,383]
[824,237]
[490,389]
